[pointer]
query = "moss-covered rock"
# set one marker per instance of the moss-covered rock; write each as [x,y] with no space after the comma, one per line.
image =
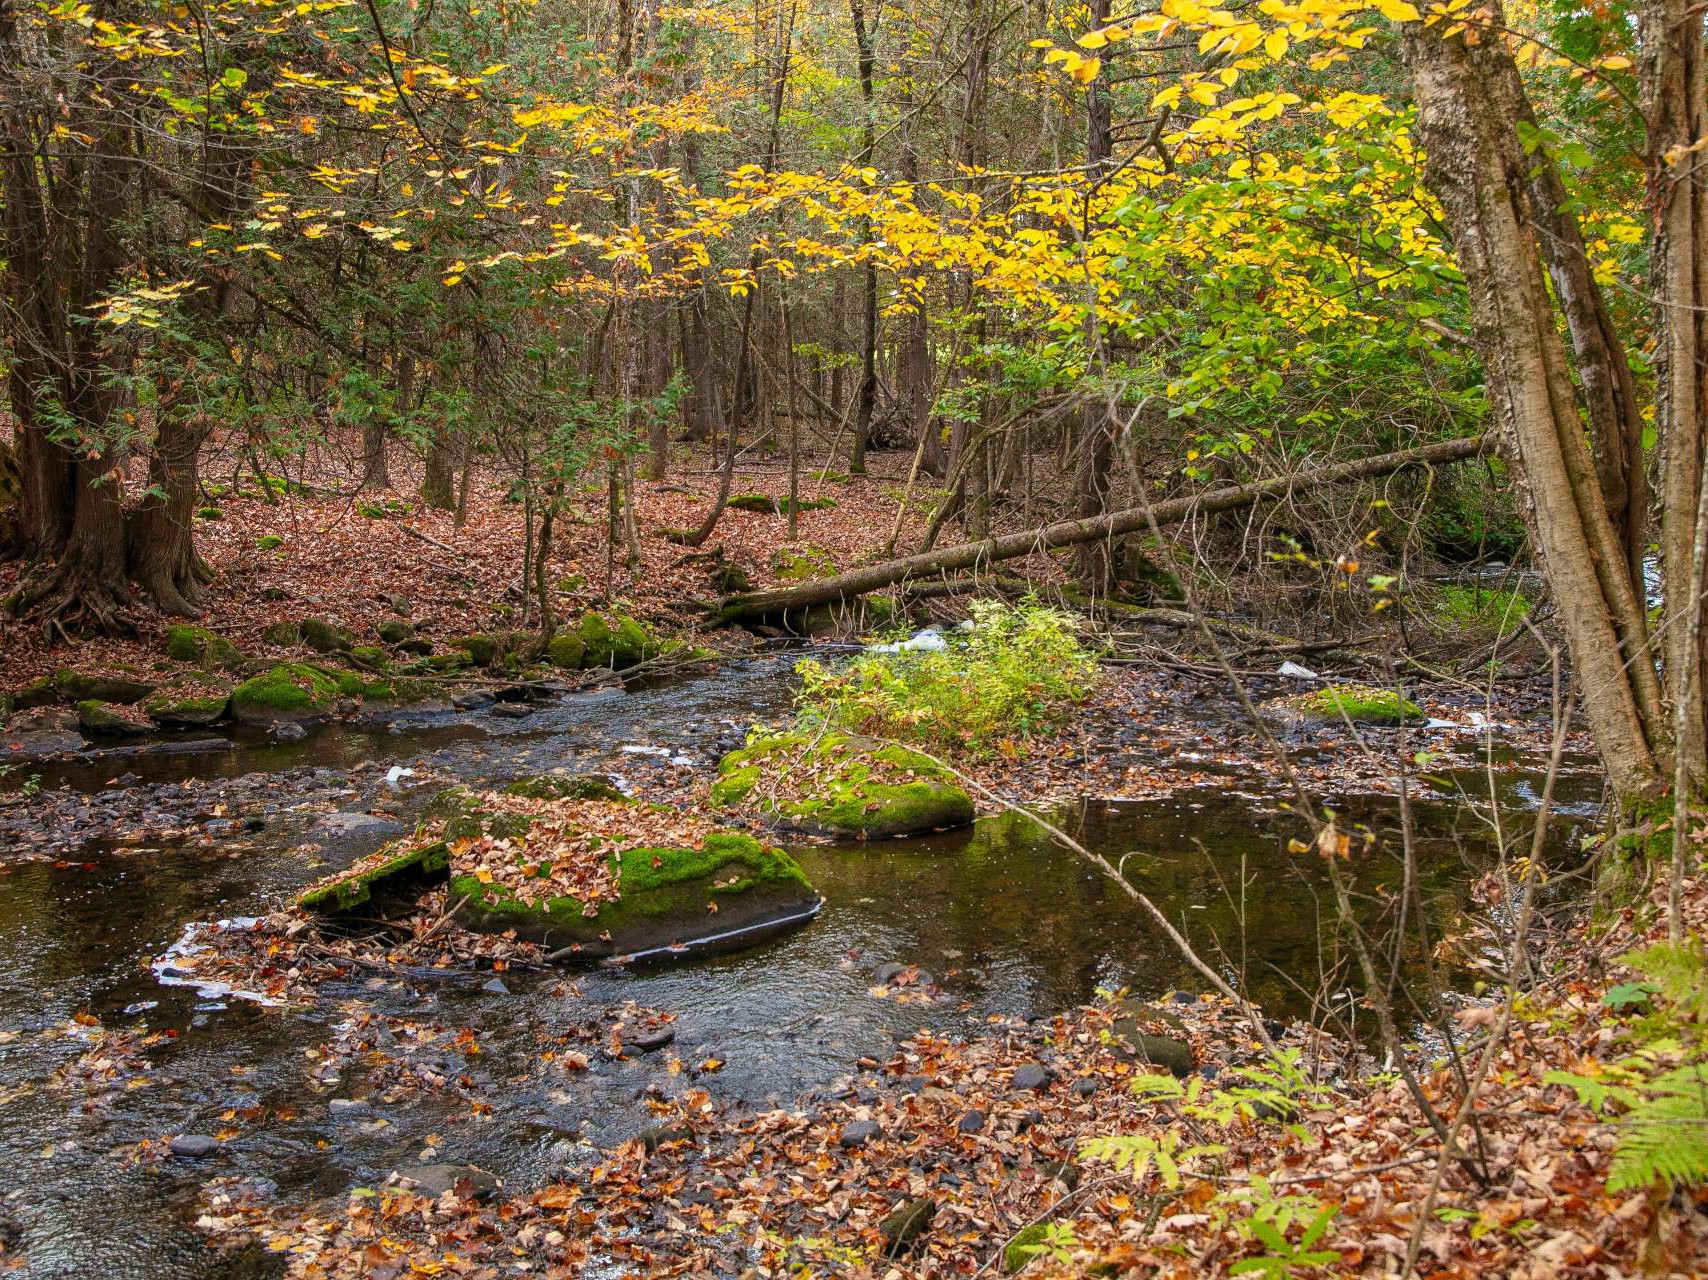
[79,686]
[567,650]
[395,631]
[1145,1033]
[326,637]
[37,693]
[288,691]
[401,691]
[456,660]
[584,786]
[666,898]
[562,864]
[370,657]
[482,650]
[111,719]
[801,563]
[181,706]
[615,641]
[405,867]
[1337,703]
[269,542]
[286,635]
[186,643]
[840,785]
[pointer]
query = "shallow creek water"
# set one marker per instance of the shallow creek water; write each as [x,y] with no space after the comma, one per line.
[1008,923]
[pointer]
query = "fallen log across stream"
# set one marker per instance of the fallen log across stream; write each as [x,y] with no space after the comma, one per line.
[1063,533]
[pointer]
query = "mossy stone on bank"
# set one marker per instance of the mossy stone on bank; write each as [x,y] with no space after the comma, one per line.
[841,785]
[1023,1247]
[326,637]
[110,719]
[614,641]
[286,635]
[667,898]
[1334,704]
[288,691]
[482,650]
[78,686]
[585,786]
[396,631]
[186,707]
[186,643]
[567,650]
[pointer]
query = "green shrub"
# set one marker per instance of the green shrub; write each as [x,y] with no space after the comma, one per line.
[1020,672]
[1469,605]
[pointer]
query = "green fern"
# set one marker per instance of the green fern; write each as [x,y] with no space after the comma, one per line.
[1664,1138]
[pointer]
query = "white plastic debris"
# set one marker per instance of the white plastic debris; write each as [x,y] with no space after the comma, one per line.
[1293,671]
[396,774]
[929,640]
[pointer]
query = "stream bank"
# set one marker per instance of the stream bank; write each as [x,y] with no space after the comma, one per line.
[383,1070]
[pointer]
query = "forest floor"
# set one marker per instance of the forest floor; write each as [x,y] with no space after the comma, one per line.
[930,1162]
[335,563]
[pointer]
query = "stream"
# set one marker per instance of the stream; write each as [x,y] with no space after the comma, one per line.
[1005,921]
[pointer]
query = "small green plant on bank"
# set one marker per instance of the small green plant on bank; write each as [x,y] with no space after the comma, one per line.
[1659,1092]
[1139,1153]
[1272,1223]
[1020,672]
[1269,1091]
[1470,606]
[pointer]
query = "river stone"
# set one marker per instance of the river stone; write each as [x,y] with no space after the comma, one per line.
[77,686]
[656,1136]
[436,1179]
[41,732]
[187,708]
[1031,1077]
[650,1039]
[972,1122]
[857,1133]
[1337,703]
[193,1146]
[905,1224]
[286,635]
[849,786]
[1132,1043]
[395,631]
[110,719]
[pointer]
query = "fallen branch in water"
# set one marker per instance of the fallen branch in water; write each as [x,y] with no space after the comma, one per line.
[1063,533]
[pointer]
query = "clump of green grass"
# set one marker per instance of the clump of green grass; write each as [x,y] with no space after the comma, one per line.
[1020,673]
[1469,605]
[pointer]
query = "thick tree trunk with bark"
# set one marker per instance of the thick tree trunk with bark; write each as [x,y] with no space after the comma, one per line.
[976,555]
[1467,123]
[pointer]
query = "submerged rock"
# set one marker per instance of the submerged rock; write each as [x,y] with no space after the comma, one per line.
[1337,703]
[836,784]
[434,1180]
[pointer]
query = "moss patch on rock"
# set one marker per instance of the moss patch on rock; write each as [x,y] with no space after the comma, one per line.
[186,643]
[765,504]
[482,650]
[586,786]
[288,691]
[111,719]
[79,686]
[614,640]
[1359,703]
[566,649]
[666,898]
[405,866]
[187,706]
[326,637]
[286,635]
[841,785]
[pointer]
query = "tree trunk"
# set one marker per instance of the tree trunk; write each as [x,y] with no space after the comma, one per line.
[867,392]
[1673,93]
[1065,533]
[1478,170]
